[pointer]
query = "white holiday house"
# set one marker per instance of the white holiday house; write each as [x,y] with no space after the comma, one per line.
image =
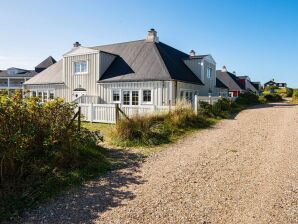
[142,72]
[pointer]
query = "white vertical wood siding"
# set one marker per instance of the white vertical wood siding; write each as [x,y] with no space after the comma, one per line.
[160,90]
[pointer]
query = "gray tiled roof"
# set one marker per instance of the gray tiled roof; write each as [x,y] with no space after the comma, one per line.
[52,75]
[46,63]
[135,61]
[219,84]
[229,79]
[146,61]
[23,74]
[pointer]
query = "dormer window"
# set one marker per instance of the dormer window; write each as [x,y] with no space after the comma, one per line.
[81,67]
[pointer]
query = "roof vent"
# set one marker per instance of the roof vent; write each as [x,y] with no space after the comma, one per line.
[76,44]
[224,69]
[192,53]
[152,36]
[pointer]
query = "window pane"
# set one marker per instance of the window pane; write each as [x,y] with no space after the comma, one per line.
[135,98]
[146,95]
[116,96]
[51,95]
[83,66]
[45,96]
[77,67]
[209,73]
[126,97]
[34,93]
[181,95]
[40,95]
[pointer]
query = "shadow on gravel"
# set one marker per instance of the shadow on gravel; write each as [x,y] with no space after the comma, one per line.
[86,203]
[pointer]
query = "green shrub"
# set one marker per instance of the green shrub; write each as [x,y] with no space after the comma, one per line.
[206,109]
[273,97]
[222,108]
[247,99]
[262,100]
[295,96]
[41,152]
[289,92]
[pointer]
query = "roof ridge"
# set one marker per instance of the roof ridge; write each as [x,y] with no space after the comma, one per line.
[161,60]
[126,42]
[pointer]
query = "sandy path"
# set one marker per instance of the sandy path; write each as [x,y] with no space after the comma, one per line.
[243,170]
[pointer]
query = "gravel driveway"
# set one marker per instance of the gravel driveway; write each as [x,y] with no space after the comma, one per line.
[243,170]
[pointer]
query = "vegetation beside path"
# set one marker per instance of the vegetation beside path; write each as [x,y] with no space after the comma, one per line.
[42,152]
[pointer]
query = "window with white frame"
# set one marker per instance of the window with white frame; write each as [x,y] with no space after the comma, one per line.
[209,72]
[134,97]
[126,97]
[80,67]
[186,95]
[130,97]
[116,95]
[40,95]
[51,95]
[147,96]
[45,96]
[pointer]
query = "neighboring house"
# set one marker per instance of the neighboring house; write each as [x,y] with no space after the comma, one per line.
[143,72]
[222,89]
[258,86]
[277,84]
[13,78]
[248,85]
[231,81]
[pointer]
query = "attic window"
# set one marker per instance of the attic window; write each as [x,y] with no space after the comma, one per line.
[80,67]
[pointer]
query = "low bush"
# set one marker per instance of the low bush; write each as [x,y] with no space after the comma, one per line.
[159,128]
[222,108]
[247,99]
[41,152]
[273,97]
[295,96]
[262,100]
[289,92]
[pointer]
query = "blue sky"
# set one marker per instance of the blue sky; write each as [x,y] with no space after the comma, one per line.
[251,37]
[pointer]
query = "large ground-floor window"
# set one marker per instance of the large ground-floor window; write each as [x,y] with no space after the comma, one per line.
[132,97]
[43,95]
[186,95]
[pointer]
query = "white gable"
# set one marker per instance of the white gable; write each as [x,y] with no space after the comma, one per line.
[210,59]
[80,51]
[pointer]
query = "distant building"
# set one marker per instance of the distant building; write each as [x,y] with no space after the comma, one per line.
[277,84]
[13,78]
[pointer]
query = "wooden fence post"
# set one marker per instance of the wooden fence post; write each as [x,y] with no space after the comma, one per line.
[196,104]
[91,112]
[210,100]
[79,119]
[117,115]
